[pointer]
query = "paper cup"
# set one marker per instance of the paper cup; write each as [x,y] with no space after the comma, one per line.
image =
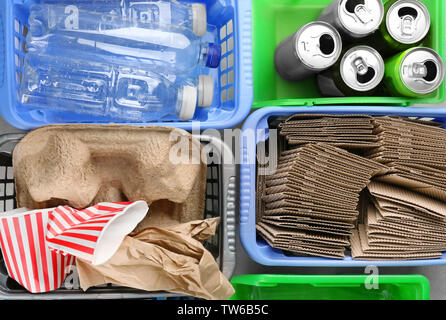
[93,234]
[27,256]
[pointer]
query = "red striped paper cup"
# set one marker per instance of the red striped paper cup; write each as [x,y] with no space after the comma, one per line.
[93,234]
[27,256]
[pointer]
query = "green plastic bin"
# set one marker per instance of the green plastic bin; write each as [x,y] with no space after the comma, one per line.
[338,287]
[273,21]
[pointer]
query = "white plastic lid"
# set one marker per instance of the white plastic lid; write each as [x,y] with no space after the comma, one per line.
[199,19]
[189,103]
[205,91]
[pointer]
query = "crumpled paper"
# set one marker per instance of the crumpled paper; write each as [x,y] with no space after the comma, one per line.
[171,259]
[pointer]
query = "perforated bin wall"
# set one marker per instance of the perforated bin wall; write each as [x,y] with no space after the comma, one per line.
[259,123]
[229,25]
[220,202]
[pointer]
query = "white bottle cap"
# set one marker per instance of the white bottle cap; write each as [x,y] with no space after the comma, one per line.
[199,19]
[205,91]
[189,103]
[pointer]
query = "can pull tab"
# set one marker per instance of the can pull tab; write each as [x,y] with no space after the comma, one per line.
[360,66]
[363,14]
[408,25]
[419,71]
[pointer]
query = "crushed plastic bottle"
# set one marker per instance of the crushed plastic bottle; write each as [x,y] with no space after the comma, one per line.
[121,92]
[106,37]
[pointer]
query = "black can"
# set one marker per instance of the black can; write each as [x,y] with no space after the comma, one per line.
[358,73]
[354,19]
[313,48]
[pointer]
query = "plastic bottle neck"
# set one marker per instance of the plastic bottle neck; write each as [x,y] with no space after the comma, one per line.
[210,55]
[37,27]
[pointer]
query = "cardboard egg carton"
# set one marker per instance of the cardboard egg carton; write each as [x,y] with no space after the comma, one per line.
[81,165]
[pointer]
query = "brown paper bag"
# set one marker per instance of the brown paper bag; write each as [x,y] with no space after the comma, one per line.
[171,259]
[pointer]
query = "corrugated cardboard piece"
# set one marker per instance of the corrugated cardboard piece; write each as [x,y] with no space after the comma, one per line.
[409,141]
[354,132]
[358,243]
[301,213]
[407,218]
[318,188]
[111,163]
[401,225]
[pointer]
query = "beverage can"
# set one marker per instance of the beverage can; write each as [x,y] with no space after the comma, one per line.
[315,47]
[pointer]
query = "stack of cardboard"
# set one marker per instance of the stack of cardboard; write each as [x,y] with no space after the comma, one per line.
[346,131]
[311,201]
[416,154]
[400,224]
[310,206]
[406,215]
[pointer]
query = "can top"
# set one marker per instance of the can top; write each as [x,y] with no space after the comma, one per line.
[362,68]
[318,45]
[361,17]
[408,21]
[422,70]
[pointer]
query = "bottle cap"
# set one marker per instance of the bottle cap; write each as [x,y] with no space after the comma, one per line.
[213,56]
[189,103]
[199,19]
[205,91]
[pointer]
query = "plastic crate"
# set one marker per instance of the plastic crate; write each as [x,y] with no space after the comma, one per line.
[220,202]
[273,21]
[256,130]
[294,287]
[233,79]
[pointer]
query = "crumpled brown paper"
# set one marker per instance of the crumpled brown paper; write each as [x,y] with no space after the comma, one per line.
[171,259]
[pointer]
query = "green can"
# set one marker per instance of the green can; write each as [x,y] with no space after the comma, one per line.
[405,25]
[414,73]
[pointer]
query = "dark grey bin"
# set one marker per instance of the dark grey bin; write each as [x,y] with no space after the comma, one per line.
[221,195]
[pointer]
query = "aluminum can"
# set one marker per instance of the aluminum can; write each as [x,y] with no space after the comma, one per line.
[315,47]
[354,19]
[359,73]
[415,72]
[406,24]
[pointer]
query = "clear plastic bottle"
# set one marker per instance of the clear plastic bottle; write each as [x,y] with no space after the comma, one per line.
[106,37]
[113,91]
[192,16]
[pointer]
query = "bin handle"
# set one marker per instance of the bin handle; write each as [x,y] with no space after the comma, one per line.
[229,204]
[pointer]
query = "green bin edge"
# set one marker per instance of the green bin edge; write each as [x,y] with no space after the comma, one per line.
[267,280]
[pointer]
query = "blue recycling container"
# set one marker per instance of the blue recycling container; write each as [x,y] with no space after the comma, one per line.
[233,79]
[256,130]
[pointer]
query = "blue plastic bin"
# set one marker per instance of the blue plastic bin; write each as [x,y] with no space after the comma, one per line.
[233,94]
[255,130]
